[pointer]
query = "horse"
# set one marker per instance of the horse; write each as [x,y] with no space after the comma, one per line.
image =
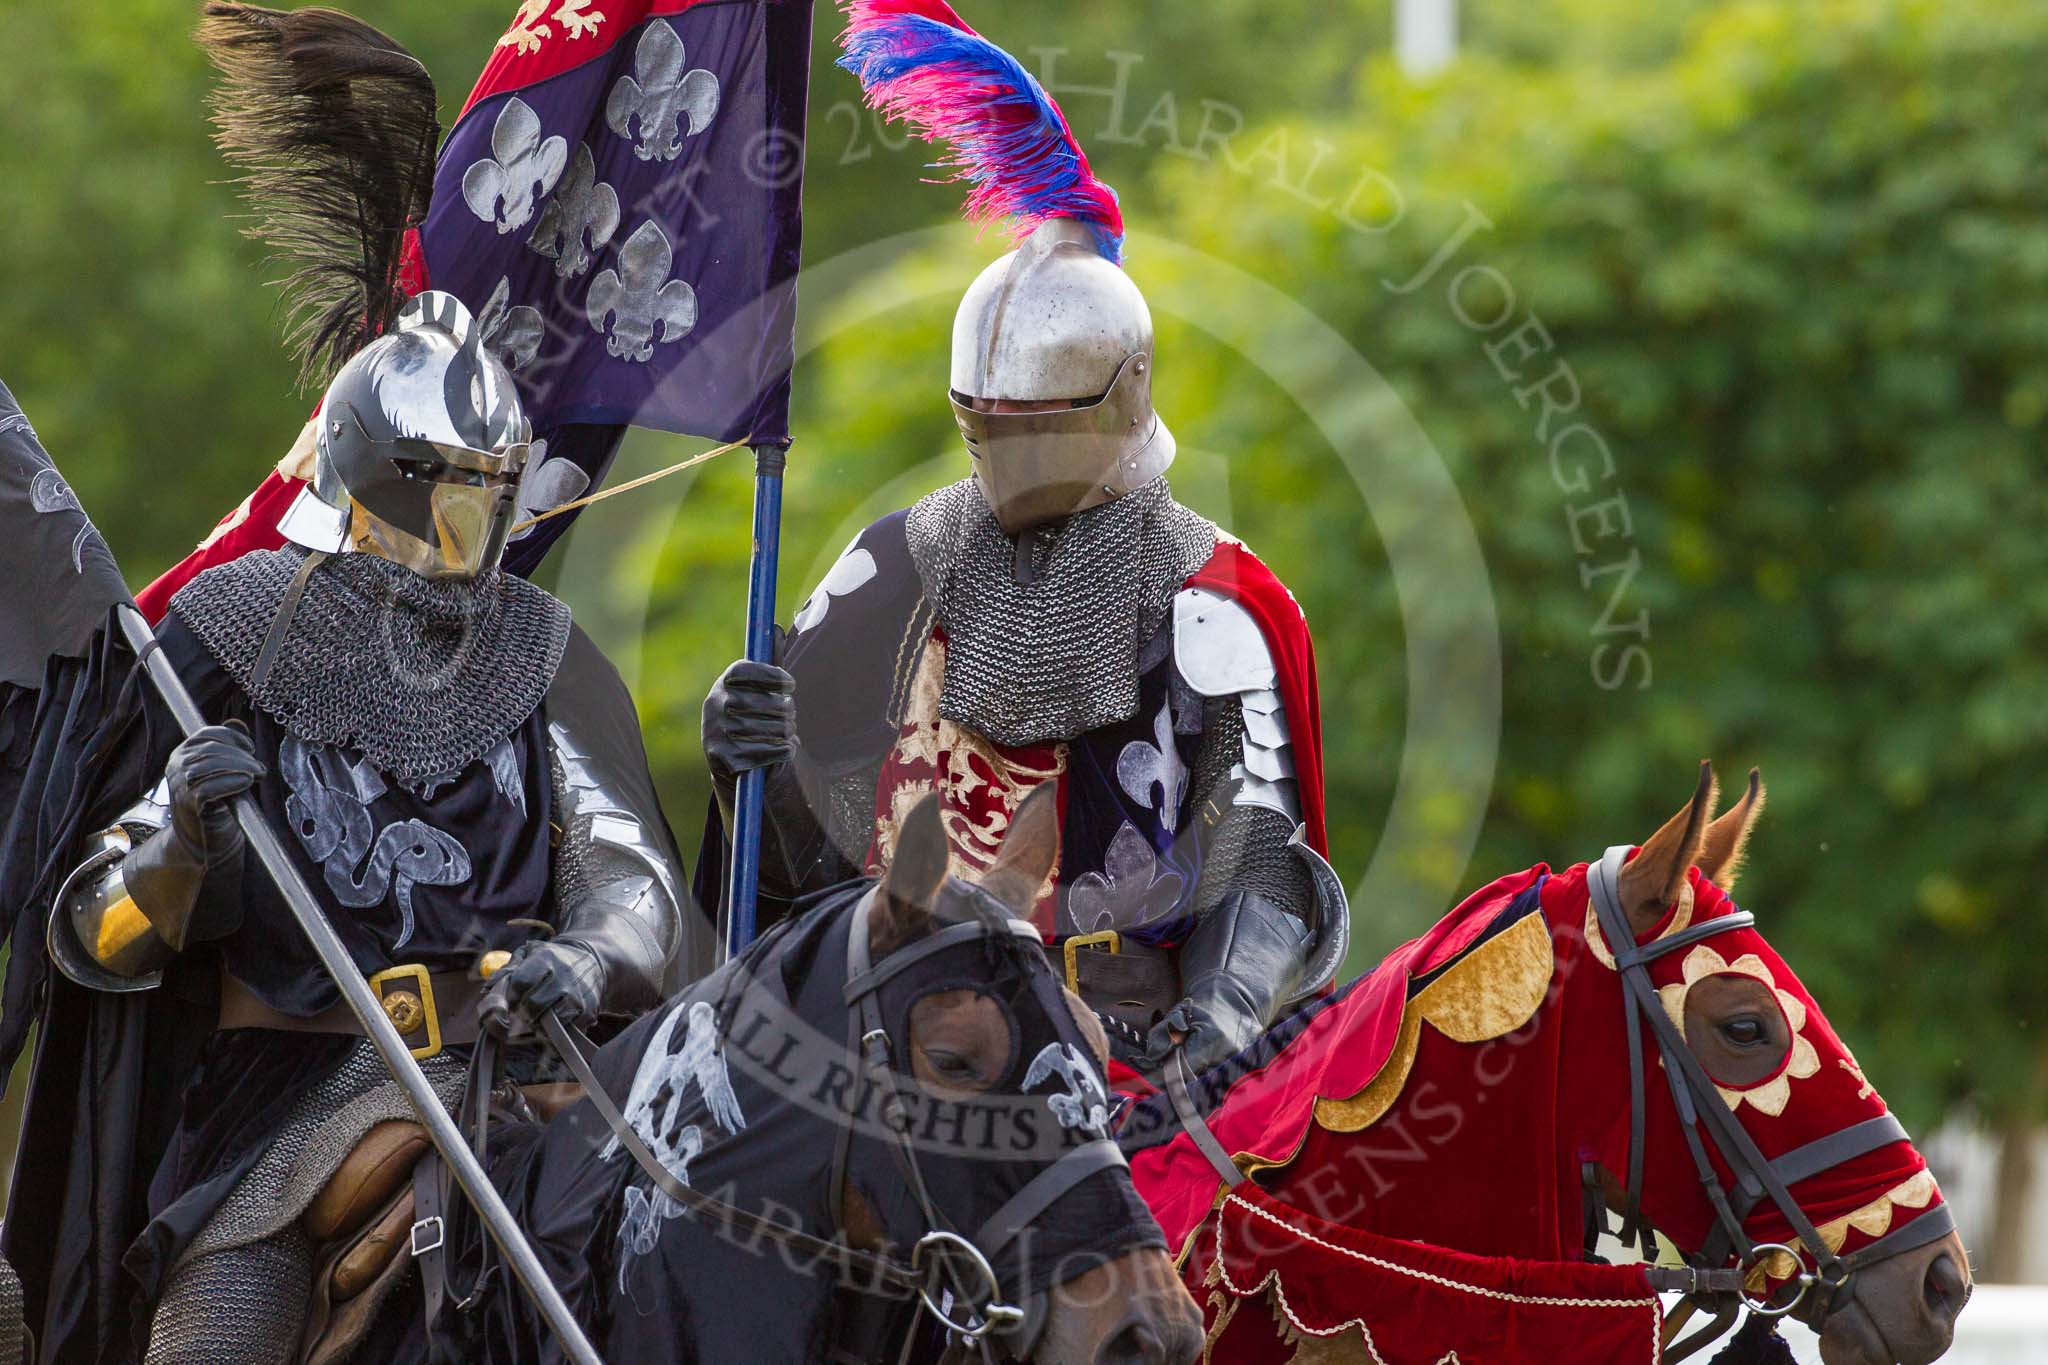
[1492,1094]
[899,1068]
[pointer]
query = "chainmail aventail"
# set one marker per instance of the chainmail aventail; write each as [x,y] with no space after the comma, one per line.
[1055,656]
[421,675]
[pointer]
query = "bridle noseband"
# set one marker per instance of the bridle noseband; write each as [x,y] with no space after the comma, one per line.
[1702,1114]
[952,1275]
[989,1322]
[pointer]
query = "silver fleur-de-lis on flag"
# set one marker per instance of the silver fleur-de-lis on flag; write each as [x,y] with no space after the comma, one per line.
[661,94]
[523,166]
[549,481]
[633,300]
[584,210]
[512,332]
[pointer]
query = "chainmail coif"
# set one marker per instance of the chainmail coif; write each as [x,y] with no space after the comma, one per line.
[1058,656]
[422,676]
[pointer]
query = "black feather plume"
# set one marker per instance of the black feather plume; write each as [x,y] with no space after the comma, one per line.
[333,127]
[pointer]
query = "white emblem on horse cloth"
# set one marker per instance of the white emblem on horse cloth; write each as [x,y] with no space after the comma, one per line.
[655,1108]
[1084,1104]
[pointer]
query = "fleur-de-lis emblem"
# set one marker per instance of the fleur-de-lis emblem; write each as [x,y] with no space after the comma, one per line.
[1131,890]
[1145,768]
[583,207]
[527,30]
[661,94]
[639,295]
[511,333]
[549,481]
[853,569]
[1083,1101]
[523,167]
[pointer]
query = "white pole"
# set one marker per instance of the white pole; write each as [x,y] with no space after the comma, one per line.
[1425,35]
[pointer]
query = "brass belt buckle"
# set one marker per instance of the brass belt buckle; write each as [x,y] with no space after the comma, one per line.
[1108,939]
[407,994]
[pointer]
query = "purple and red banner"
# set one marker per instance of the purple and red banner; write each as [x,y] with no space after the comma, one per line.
[620,205]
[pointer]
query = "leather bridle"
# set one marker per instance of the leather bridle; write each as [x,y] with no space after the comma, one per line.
[951,1274]
[1703,1116]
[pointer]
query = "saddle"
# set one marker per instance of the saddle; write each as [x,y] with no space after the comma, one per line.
[361,1226]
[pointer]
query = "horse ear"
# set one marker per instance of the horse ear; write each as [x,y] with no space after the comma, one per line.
[1728,837]
[910,888]
[1028,852]
[1653,879]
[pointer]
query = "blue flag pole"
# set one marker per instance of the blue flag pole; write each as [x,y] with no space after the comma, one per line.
[742,894]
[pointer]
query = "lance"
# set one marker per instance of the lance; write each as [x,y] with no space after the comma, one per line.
[743,890]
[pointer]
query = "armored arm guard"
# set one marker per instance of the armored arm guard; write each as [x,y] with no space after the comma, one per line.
[617,882]
[815,829]
[97,935]
[1247,802]
[1271,923]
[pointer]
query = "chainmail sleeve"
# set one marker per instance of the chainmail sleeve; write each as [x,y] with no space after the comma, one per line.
[1244,846]
[569,870]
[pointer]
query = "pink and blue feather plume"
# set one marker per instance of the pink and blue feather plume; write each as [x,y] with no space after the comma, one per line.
[1006,139]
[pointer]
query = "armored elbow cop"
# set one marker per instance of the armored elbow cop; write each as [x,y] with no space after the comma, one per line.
[97,935]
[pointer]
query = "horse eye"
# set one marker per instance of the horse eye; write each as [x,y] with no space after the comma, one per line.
[949,1063]
[1747,1032]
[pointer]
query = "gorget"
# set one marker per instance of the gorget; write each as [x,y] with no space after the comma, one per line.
[1050,652]
[422,676]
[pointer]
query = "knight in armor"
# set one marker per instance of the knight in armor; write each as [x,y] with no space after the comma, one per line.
[444,752]
[1057,617]
[459,776]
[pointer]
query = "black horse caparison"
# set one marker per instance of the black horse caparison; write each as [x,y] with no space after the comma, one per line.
[892,1087]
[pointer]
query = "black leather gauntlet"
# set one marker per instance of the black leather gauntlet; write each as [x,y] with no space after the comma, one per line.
[1240,964]
[185,878]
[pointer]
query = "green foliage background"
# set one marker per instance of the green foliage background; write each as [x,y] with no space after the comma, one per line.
[1795,256]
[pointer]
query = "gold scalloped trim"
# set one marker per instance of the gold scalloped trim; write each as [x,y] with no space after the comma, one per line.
[1494,990]
[1344,1348]
[1803,1061]
[1596,937]
[1873,1220]
[1371,1104]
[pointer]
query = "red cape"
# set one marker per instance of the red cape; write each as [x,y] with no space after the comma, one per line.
[1268,1112]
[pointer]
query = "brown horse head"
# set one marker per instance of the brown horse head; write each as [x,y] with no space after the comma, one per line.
[1500,1117]
[1776,1063]
[963,1041]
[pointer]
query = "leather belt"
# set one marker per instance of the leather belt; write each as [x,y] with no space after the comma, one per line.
[430,1010]
[1130,981]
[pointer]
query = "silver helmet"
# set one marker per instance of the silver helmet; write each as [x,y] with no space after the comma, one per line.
[420,445]
[1052,380]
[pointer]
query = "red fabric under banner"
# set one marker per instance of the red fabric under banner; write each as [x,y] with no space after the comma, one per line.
[1279,1286]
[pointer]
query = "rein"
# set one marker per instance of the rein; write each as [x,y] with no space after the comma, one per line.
[952,1275]
[1702,1116]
